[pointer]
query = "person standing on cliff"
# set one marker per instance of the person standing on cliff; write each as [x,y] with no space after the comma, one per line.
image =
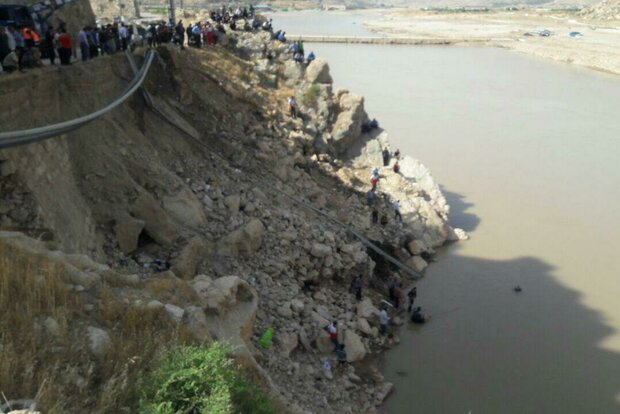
[397,154]
[386,157]
[292,106]
[398,293]
[358,284]
[396,168]
[397,215]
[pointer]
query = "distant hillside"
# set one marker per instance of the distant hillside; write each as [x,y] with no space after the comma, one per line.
[605,10]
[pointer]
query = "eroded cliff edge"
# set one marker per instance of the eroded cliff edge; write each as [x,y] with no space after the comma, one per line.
[181,214]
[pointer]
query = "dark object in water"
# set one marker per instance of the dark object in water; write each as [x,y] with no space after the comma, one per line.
[401,373]
[517,289]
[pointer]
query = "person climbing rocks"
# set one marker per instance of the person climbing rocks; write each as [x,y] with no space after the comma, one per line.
[375,216]
[292,106]
[384,220]
[397,214]
[332,329]
[396,167]
[342,356]
[327,369]
[310,57]
[386,157]
[370,197]
[358,284]
[412,294]
[384,320]
[397,154]
[374,180]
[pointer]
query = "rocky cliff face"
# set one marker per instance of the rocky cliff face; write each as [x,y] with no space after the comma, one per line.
[188,209]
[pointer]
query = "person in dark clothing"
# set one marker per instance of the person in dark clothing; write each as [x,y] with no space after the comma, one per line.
[4,44]
[396,167]
[375,216]
[391,287]
[48,45]
[386,157]
[413,293]
[398,293]
[418,317]
[342,356]
[358,284]
[384,220]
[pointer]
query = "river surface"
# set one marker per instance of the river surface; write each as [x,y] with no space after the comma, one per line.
[528,154]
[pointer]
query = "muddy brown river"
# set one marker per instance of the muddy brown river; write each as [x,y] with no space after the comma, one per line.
[528,154]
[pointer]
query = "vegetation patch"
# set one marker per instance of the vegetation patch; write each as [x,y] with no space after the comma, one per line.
[311,95]
[202,380]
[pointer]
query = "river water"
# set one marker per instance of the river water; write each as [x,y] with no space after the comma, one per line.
[528,155]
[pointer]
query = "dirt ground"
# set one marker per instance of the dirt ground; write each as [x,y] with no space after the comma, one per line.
[596,48]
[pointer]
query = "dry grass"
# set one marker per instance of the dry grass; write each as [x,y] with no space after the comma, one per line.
[59,369]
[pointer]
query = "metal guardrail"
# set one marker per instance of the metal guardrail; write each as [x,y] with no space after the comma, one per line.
[27,136]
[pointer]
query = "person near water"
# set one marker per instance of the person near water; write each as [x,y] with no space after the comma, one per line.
[386,157]
[398,293]
[397,154]
[412,294]
[418,317]
[358,284]
[310,57]
[397,215]
[384,320]
[292,106]
[396,167]
[332,329]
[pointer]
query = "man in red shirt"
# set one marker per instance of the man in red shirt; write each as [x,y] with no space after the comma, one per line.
[65,47]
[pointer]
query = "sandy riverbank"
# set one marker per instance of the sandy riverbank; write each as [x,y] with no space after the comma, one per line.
[597,48]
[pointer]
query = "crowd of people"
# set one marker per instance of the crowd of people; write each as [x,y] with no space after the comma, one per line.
[22,48]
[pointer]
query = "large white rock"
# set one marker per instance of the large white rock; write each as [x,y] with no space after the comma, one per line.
[245,240]
[417,263]
[175,313]
[320,250]
[353,345]
[318,72]
[99,340]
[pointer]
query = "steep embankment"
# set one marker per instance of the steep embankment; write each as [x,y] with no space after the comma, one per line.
[178,226]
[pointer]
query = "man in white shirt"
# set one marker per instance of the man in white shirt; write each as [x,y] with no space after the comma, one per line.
[397,215]
[384,319]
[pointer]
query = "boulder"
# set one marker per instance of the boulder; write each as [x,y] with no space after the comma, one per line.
[233,202]
[175,313]
[416,247]
[293,72]
[366,310]
[417,263]
[186,263]
[364,327]
[99,340]
[197,323]
[324,344]
[297,305]
[245,240]
[185,208]
[383,392]
[318,72]
[127,230]
[287,341]
[285,310]
[157,222]
[320,250]
[353,345]
[348,126]
[51,326]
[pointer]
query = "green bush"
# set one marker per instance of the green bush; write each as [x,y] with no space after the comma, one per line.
[195,380]
[311,95]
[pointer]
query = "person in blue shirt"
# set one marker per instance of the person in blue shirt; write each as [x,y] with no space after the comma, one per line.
[310,57]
